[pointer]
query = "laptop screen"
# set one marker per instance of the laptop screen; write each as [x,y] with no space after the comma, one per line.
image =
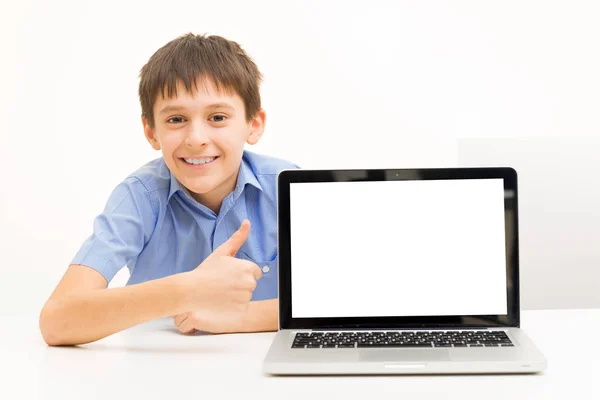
[398,248]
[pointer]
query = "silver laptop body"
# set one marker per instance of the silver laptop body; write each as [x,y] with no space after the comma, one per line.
[403,271]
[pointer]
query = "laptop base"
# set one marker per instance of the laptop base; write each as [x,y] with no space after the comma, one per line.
[524,357]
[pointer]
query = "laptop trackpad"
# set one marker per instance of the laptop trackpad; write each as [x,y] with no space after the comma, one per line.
[404,355]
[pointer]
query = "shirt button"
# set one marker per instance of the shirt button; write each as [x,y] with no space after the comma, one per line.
[266,269]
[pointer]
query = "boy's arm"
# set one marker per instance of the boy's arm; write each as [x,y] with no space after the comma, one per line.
[82,310]
[262,316]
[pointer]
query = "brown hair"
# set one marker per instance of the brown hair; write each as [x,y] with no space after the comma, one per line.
[194,57]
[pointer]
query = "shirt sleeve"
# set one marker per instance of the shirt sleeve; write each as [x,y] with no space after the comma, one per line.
[121,231]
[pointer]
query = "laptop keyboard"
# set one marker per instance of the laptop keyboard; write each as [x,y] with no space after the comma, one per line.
[345,340]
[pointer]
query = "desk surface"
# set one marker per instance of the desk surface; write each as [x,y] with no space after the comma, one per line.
[154,361]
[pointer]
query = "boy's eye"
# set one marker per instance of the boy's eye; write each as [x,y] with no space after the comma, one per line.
[175,120]
[218,118]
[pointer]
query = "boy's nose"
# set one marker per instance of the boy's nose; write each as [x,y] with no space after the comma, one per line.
[196,137]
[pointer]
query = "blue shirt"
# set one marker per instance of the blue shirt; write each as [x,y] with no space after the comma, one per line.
[152,224]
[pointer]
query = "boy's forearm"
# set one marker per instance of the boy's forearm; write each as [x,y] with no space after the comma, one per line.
[262,316]
[84,317]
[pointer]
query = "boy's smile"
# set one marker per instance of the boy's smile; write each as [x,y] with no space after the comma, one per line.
[199,162]
[201,135]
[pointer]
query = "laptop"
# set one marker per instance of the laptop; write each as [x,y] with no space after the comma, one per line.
[399,271]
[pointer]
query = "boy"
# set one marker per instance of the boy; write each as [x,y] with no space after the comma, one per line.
[178,221]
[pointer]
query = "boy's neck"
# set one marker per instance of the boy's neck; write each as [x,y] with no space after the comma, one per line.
[214,205]
[214,199]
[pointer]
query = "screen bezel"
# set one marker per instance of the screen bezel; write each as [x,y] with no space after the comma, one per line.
[287,177]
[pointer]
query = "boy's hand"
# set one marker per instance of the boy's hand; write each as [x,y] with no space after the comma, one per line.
[209,321]
[223,283]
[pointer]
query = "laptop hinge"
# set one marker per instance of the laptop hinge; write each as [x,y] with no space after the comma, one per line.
[430,328]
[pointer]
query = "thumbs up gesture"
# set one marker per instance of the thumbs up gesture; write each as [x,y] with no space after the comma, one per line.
[222,283]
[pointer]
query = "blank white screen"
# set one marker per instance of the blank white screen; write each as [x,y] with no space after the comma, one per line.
[398,248]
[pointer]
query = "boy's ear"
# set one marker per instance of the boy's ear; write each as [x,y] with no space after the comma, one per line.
[257,127]
[150,134]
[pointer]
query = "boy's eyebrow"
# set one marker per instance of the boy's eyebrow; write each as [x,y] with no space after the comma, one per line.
[180,108]
[220,105]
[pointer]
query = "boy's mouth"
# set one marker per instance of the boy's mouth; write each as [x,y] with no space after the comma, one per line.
[199,160]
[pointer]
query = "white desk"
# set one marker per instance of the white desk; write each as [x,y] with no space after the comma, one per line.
[154,361]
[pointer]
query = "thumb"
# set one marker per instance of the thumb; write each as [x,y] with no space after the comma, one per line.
[233,244]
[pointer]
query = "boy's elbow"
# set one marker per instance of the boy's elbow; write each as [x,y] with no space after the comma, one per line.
[49,326]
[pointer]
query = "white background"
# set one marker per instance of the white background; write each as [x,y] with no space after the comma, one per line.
[398,248]
[347,85]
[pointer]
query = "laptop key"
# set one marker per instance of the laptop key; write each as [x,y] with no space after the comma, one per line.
[403,345]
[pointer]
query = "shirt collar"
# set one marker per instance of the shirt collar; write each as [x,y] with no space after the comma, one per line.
[175,186]
[245,177]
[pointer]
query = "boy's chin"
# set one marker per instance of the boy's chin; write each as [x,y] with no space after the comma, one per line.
[206,186]
[200,189]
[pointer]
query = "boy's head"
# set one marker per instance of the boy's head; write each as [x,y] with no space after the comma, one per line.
[200,103]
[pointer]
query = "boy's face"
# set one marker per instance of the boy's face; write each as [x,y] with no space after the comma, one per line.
[201,136]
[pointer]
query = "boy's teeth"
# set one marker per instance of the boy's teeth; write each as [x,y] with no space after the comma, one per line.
[198,161]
